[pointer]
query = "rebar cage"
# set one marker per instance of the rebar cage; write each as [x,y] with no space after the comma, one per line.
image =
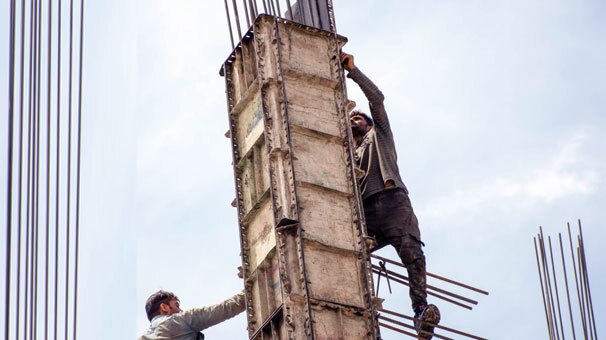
[241,14]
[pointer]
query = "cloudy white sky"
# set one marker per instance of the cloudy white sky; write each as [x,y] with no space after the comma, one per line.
[498,110]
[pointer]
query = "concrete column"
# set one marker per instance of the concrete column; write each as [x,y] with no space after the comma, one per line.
[301,225]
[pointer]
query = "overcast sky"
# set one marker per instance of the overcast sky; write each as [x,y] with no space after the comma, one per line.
[498,111]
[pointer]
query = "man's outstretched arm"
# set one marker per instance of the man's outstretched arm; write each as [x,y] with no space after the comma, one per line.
[202,318]
[371,91]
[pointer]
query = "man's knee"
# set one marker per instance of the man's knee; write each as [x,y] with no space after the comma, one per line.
[410,250]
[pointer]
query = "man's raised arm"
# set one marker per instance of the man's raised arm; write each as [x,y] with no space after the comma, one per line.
[371,91]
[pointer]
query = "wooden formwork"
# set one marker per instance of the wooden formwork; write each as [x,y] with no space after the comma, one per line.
[301,226]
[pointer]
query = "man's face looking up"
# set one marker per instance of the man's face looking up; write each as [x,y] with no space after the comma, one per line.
[359,126]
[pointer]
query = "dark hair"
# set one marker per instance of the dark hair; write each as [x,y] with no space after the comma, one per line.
[362,114]
[152,306]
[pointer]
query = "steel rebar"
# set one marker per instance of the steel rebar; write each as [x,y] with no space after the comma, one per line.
[543,290]
[549,286]
[429,287]
[435,276]
[231,34]
[399,323]
[430,293]
[555,283]
[576,281]
[547,276]
[397,329]
[289,10]
[248,16]
[567,289]
[586,271]
[237,17]
[449,329]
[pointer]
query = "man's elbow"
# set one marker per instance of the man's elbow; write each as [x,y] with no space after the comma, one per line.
[378,98]
[381,97]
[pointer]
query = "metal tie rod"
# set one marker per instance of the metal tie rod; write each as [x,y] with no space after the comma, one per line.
[443,291]
[397,329]
[409,326]
[452,330]
[395,279]
[433,275]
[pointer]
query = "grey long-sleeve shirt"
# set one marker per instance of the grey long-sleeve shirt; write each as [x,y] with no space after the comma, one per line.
[187,325]
[376,152]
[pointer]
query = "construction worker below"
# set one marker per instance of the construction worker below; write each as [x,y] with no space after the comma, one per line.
[168,321]
[390,218]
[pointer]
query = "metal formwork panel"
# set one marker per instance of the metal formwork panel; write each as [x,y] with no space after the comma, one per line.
[304,262]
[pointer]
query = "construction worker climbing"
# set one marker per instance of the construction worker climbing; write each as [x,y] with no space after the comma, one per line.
[389,215]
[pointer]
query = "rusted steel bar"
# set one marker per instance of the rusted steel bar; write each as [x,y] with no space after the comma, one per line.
[397,329]
[545,299]
[311,13]
[301,16]
[268,4]
[567,289]
[576,281]
[555,283]
[586,271]
[452,330]
[289,10]
[248,16]
[272,5]
[431,293]
[554,323]
[278,8]
[584,296]
[443,291]
[237,20]
[321,23]
[587,324]
[253,3]
[231,34]
[406,325]
[581,278]
[435,276]
[399,323]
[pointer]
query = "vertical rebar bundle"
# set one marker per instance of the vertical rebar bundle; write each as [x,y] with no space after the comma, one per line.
[241,14]
[553,276]
[43,169]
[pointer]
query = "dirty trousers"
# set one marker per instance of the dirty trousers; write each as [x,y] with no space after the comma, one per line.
[391,220]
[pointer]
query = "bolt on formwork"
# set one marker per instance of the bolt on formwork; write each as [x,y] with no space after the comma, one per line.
[574,315]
